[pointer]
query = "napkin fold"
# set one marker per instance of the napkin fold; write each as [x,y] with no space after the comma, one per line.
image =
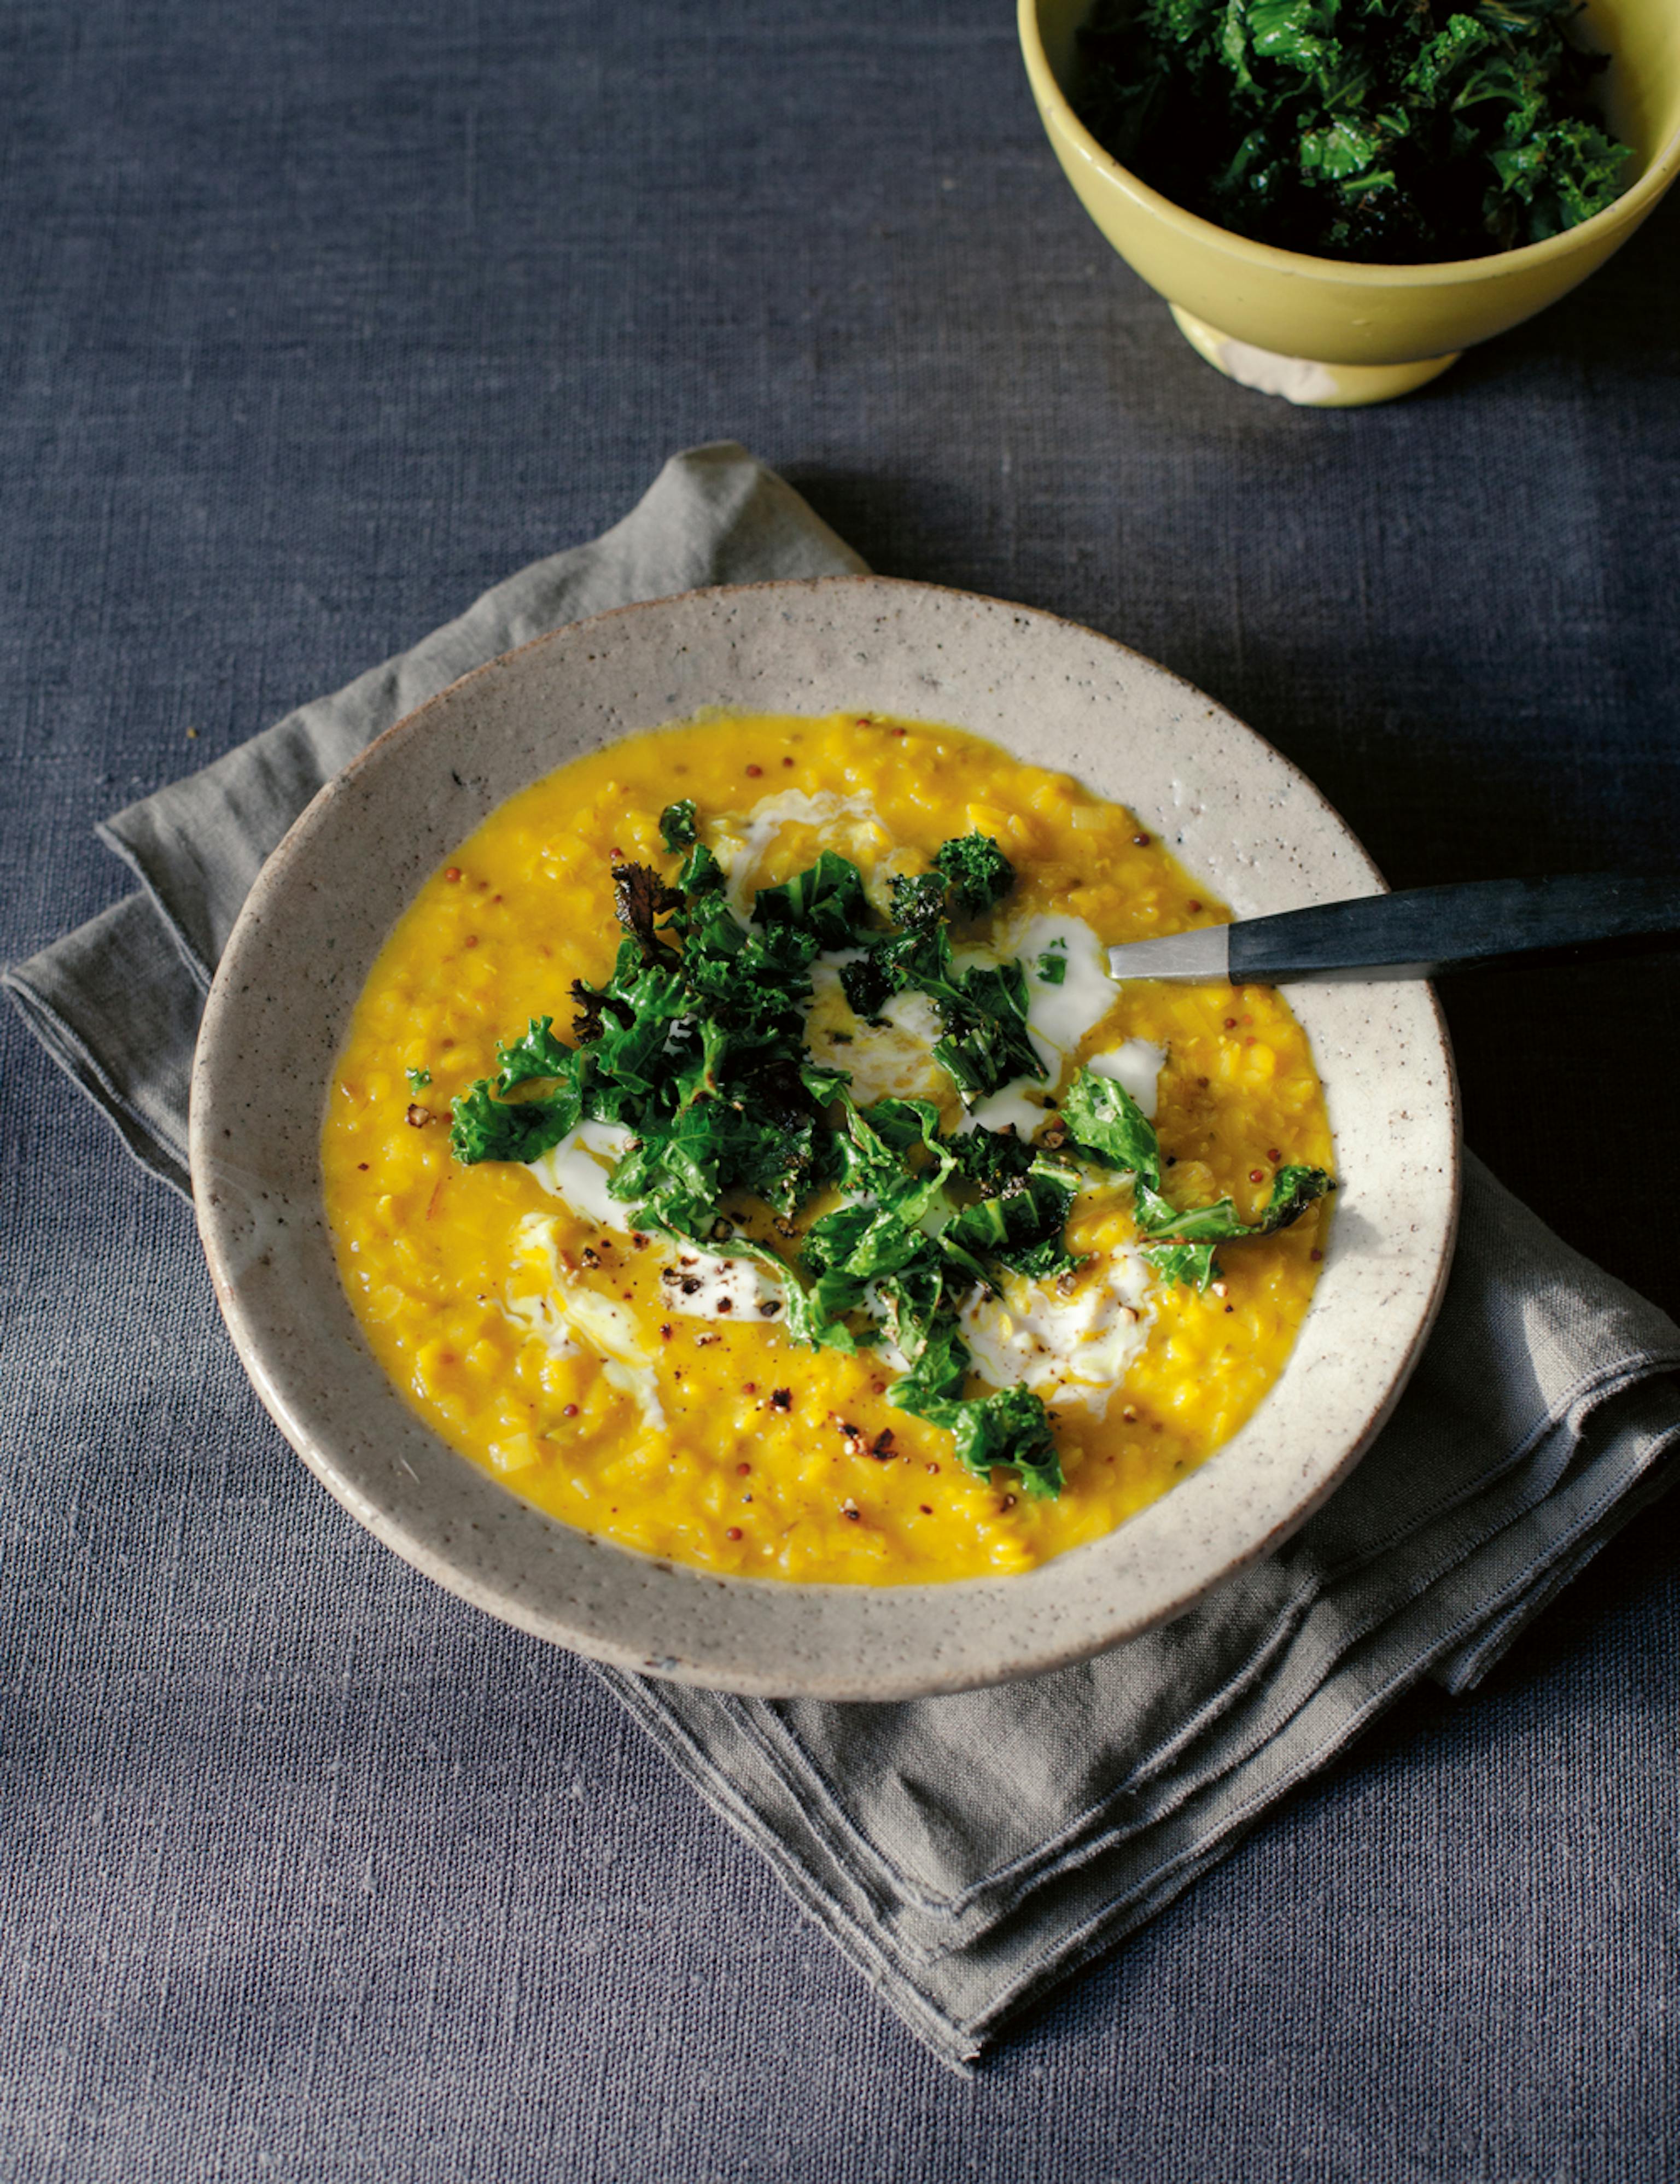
[966,1853]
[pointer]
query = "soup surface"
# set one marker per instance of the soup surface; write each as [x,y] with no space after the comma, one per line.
[637,1385]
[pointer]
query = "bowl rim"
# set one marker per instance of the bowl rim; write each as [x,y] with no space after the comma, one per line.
[1627,210]
[228,1250]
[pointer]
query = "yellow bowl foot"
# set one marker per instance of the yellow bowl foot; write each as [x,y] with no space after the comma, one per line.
[1298,378]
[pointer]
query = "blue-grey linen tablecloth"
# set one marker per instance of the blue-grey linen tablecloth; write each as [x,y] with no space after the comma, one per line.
[966,1852]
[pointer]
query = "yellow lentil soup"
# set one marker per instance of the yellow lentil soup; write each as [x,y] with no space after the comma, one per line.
[542,1335]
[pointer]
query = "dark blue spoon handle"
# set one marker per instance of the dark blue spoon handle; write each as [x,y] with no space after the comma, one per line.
[1426,929]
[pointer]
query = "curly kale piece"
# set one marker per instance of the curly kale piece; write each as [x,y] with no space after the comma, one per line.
[535,1054]
[886,969]
[702,873]
[1185,1252]
[827,901]
[976,871]
[735,1105]
[1021,1229]
[983,1044]
[627,1025]
[993,1161]
[918,900]
[986,1044]
[1102,1116]
[1010,1427]
[676,825]
[640,898]
[485,1127]
[1025,1197]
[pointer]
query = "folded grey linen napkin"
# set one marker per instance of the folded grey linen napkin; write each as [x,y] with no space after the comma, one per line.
[968,1852]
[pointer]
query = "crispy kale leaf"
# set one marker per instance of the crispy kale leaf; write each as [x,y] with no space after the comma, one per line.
[983,1010]
[641,898]
[1387,130]
[902,1252]
[1021,1229]
[1011,1426]
[826,900]
[625,1027]
[1025,1197]
[676,825]
[1009,1429]
[523,1130]
[1103,1118]
[1187,1254]
[702,873]
[978,873]
[986,1044]
[918,900]
[993,1161]
[910,1254]
[488,1127]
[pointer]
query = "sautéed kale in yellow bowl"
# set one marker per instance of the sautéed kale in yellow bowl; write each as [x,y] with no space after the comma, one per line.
[1335,331]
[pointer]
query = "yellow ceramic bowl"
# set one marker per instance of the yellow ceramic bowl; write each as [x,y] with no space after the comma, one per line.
[1330,333]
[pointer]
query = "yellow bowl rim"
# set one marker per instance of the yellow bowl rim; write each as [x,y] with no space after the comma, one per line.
[1504,264]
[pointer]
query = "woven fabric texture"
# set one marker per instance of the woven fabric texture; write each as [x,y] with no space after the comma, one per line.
[316,326]
[967,1854]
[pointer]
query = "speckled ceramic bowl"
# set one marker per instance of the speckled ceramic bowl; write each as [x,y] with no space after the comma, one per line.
[1240,818]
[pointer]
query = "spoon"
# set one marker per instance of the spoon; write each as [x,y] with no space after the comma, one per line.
[1412,934]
